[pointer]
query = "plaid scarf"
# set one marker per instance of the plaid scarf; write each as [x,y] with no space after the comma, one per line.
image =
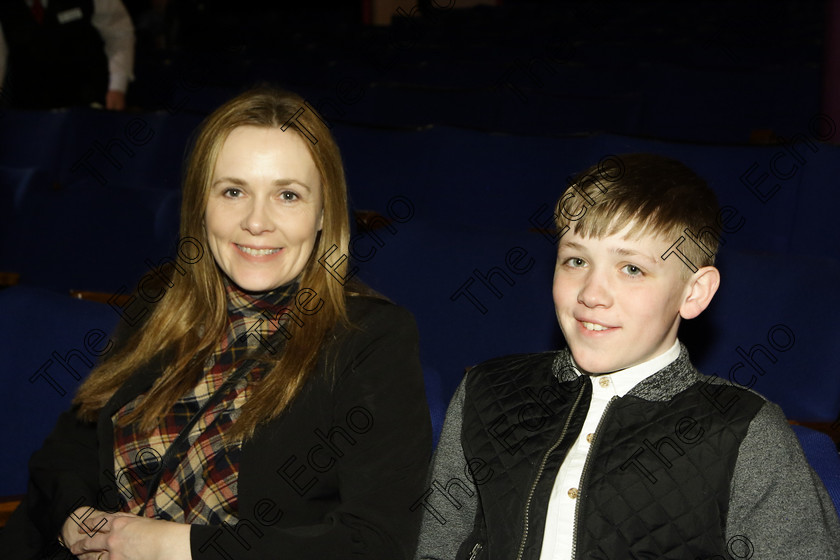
[197,482]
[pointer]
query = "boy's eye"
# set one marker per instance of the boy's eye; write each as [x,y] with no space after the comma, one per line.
[575,262]
[632,270]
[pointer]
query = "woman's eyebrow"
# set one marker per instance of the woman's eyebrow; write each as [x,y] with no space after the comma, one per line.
[232,180]
[284,182]
[277,183]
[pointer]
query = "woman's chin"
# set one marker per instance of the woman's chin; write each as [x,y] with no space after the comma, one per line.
[256,285]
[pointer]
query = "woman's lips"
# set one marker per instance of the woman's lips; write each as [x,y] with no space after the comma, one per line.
[258,251]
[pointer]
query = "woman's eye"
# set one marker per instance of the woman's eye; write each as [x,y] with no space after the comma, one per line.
[288,196]
[232,193]
[632,270]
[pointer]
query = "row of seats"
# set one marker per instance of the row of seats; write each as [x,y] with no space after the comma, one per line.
[87,237]
[85,146]
[777,198]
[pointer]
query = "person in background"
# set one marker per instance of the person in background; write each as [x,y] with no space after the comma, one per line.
[61,53]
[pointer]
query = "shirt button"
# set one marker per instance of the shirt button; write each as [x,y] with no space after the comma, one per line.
[573,493]
[604,382]
[589,438]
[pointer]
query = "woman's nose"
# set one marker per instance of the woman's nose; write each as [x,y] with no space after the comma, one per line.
[257,219]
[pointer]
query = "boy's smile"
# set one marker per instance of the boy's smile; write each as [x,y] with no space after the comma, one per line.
[618,303]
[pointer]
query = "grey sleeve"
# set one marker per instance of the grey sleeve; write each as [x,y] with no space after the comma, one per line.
[778,507]
[451,499]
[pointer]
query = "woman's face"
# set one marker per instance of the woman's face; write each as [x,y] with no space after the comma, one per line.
[265,207]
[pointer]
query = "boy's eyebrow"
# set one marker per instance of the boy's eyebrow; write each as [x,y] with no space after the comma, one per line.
[631,253]
[571,245]
[621,251]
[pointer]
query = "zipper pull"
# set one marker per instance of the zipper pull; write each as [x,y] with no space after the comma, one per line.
[476,550]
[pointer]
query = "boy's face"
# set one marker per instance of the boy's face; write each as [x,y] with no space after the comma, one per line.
[617,301]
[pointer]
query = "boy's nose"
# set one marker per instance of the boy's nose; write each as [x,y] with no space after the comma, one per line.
[595,292]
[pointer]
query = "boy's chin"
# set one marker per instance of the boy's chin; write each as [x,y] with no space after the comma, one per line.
[594,367]
[597,365]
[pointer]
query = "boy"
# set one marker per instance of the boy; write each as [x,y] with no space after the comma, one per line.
[616,447]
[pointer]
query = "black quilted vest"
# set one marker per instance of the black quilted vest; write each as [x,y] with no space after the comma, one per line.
[656,484]
[60,62]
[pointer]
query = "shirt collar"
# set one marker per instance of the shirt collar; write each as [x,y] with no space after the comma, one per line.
[623,380]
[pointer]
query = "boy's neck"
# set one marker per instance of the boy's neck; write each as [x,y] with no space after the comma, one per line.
[629,377]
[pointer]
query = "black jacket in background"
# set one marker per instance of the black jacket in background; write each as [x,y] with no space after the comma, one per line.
[58,63]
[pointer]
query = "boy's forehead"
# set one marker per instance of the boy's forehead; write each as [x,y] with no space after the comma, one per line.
[643,249]
[623,241]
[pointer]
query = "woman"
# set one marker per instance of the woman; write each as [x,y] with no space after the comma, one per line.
[265,408]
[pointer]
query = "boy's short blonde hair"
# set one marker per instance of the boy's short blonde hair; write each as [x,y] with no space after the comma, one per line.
[654,195]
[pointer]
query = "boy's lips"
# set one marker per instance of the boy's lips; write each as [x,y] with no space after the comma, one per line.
[594,326]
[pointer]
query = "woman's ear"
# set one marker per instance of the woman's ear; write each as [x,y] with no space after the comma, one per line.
[701,288]
[321,220]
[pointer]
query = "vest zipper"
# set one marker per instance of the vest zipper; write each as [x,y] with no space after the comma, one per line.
[476,550]
[583,475]
[542,467]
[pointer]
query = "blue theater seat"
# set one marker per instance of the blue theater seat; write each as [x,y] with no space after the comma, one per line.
[772,327]
[761,226]
[476,293]
[15,184]
[124,149]
[109,148]
[814,217]
[822,455]
[99,237]
[457,176]
[49,342]
[438,400]
[33,139]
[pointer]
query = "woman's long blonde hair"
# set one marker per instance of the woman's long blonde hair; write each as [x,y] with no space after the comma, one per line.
[190,319]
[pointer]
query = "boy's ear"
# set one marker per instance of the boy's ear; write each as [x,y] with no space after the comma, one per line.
[701,288]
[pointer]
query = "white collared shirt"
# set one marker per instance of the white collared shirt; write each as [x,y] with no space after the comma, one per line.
[560,518]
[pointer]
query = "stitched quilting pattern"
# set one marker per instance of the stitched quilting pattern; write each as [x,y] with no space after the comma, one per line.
[658,481]
[657,484]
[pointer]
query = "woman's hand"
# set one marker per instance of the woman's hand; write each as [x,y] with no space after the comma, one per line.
[72,532]
[124,536]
